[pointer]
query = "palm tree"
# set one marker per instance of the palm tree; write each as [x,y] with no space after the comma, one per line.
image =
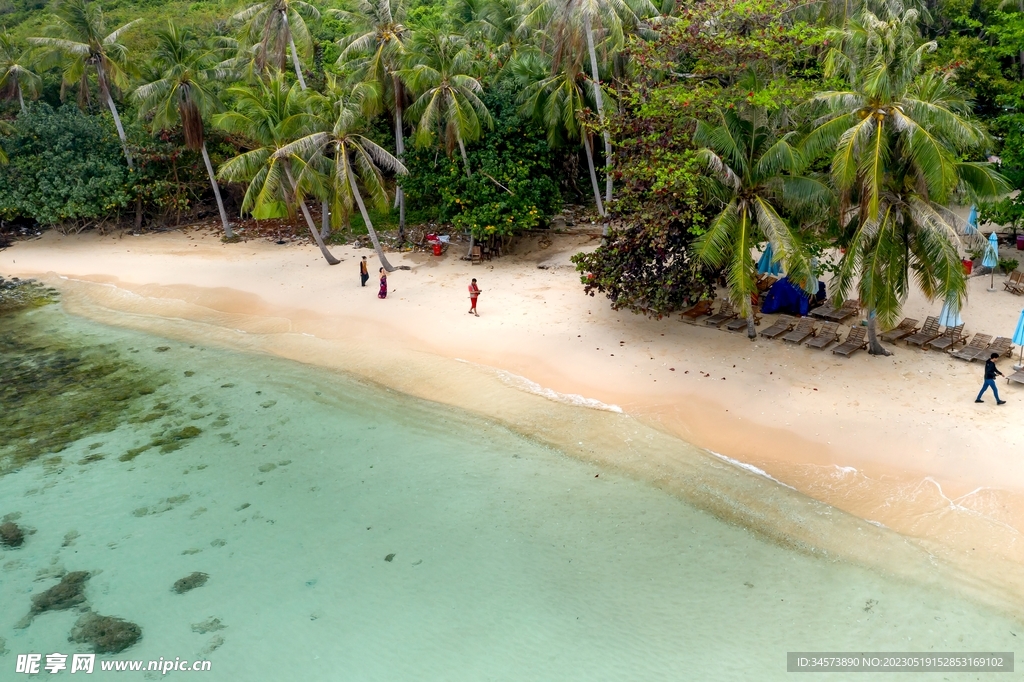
[183,93]
[5,129]
[274,27]
[896,136]
[566,22]
[756,176]
[269,114]
[449,96]
[336,159]
[78,36]
[499,24]
[558,101]
[16,79]
[374,49]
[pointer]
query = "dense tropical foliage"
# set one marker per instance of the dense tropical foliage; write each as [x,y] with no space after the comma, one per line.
[700,133]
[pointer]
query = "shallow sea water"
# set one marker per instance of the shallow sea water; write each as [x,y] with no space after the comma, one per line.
[353,533]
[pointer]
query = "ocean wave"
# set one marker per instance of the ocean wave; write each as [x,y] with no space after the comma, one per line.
[751,468]
[524,384]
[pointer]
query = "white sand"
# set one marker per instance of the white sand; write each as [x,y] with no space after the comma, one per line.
[896,440]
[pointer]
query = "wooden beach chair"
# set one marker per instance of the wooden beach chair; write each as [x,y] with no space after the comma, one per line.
[849,308]
[979,344]
[724,314]
[1017,376]
[765,283]
[804,330]
[476,254]
[781,326]
[1015,283]
[856,341]
[740,323]
[1001,346]
[929,331]
[823,311]
[905,328]
[828,334]
[950,338]
[700,310]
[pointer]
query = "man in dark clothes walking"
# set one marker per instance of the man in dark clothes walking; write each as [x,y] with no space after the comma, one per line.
[364,273]
[990,379]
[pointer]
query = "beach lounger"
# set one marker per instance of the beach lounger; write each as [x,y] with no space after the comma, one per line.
[700,310]
[823,311]
[1001,346]
[950,338]
[856,341]
[724,314]
[828,334]
[765,283]
[845,311]
[905,328]
[1017,376]
[781,326]
[929,331]
[740,323]
[979,344]
[804,330]
[1015,283]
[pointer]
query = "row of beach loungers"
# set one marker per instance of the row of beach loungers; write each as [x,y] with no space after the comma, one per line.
[805,330]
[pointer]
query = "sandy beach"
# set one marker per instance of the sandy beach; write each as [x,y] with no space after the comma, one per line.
[897,441]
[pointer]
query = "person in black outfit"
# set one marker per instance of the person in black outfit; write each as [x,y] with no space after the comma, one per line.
[364,273]
[990,379]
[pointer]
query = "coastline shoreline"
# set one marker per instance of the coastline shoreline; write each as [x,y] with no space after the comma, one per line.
[944,507]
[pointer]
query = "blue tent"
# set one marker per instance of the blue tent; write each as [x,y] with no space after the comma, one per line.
[786,297]
[768,265]
[972,221]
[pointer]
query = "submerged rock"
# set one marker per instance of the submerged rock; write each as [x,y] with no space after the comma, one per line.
[191,582]
[11,534]
[106,634]
[211,624]
[69,592]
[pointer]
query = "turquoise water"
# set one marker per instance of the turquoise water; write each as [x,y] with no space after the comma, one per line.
[353,533]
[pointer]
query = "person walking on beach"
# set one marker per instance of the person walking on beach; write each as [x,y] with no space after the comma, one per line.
[474,292]
[990,379]
[364,272]
[383,293]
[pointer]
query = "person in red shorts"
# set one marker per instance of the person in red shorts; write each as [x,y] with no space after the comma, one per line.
[474,292]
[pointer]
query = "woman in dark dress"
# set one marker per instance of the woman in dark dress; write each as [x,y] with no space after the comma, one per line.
[383,293]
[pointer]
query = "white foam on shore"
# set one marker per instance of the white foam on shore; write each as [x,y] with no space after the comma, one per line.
[524,384]
[751,468]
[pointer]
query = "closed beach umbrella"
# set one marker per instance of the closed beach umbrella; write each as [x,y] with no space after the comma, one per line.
[950,315]
[991,258]
[972,221]
[1018,338]
[767,265]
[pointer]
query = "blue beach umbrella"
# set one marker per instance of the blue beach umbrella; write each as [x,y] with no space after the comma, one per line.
[1018,337]
[972,221]
[991,258]
[950,315]
[767,265]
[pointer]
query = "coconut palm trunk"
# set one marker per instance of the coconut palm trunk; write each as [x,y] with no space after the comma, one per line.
[588,146]
[328,256]
[875,346]
[216,193]
[465,158]
[21,98]
[400,152]
[599,101]
[105,89]
[369,225]
[295,54]
[751,325]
